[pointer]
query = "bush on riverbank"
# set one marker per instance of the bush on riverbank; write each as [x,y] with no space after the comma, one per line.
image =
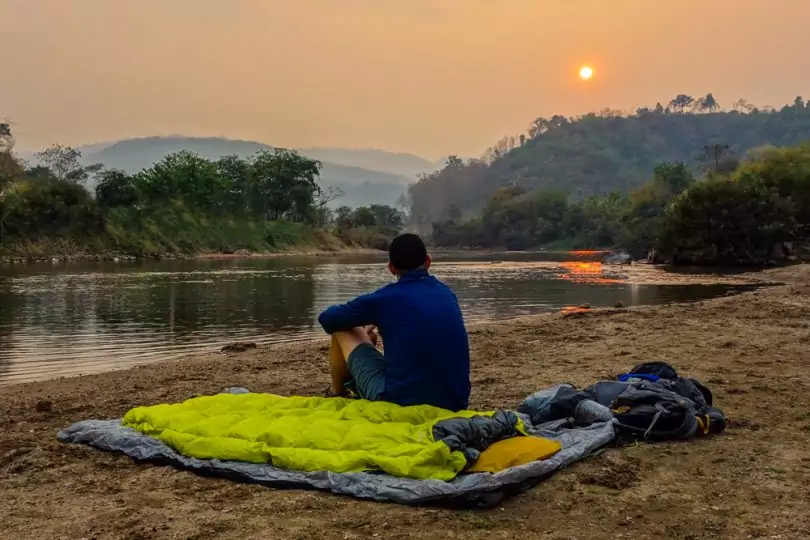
[184,204]
[750,216]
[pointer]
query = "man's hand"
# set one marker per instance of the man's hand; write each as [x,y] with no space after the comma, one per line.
[373,335]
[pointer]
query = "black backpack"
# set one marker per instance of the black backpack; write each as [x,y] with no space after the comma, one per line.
[647,411]
[670,408]
[658,405]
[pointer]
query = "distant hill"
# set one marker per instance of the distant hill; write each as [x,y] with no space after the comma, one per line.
[597,154]
[361,186]
[407,165]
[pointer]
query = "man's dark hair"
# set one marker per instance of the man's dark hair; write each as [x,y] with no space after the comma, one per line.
[407,252]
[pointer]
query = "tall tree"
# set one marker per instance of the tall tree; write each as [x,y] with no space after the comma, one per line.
[386,216]
[6,137]
[344,217]
[184,176]
[675,176]
[558,121]
[236,180]
[707,103]
[364,217]
[286,184]
[10,167]
[681,102]
[65,163]
[454,163]
[116,189]
[718,158]
[539,126]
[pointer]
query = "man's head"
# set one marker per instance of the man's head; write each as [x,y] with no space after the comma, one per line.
[407,252]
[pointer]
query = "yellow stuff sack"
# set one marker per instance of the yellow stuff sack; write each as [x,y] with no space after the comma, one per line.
[513,452]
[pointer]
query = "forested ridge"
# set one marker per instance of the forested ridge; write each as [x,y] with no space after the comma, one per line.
[599,153]
[688,181]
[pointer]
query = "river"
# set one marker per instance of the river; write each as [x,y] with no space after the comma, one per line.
[80,318]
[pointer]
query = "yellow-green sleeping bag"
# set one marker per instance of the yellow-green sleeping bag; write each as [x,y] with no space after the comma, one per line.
[316,434]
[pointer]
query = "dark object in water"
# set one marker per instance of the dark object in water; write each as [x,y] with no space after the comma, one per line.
[617,257]
[239,346]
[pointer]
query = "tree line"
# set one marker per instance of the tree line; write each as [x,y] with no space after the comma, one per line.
[734,212]
[598,153]
[182,204]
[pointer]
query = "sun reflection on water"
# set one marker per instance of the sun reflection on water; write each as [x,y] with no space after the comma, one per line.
[587,272]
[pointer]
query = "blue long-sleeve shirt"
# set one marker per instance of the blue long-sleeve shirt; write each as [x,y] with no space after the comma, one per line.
[427,353]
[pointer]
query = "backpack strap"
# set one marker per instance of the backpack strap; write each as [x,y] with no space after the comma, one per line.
[654,420]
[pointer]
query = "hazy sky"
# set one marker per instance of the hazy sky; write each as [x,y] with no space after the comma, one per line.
[426,76]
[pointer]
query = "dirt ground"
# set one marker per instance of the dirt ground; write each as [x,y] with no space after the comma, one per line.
[753,481]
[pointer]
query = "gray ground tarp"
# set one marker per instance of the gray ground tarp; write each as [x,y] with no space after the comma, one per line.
[477,490]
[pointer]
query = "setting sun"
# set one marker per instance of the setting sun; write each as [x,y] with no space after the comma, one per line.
[585,73]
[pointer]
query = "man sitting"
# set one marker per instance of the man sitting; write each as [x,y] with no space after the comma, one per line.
[427,355]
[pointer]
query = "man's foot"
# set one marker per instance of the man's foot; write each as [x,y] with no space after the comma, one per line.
[345,393]
[329,393]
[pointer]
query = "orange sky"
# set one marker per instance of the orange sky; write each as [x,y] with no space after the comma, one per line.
[426,76]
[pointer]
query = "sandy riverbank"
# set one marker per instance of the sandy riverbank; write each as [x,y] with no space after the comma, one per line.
[753,350]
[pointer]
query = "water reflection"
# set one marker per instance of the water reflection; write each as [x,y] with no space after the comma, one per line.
[68,320]
[588,272]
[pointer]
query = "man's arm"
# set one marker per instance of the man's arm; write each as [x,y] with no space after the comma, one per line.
[361,311]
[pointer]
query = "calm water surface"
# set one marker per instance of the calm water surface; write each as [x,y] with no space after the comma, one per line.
[84,318]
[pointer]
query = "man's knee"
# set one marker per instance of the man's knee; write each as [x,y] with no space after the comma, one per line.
[349,340]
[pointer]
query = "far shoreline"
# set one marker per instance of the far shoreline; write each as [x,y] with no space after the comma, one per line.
[61,258]
[706,274]
[11,260]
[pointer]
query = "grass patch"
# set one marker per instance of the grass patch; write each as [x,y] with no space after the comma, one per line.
[178,231]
